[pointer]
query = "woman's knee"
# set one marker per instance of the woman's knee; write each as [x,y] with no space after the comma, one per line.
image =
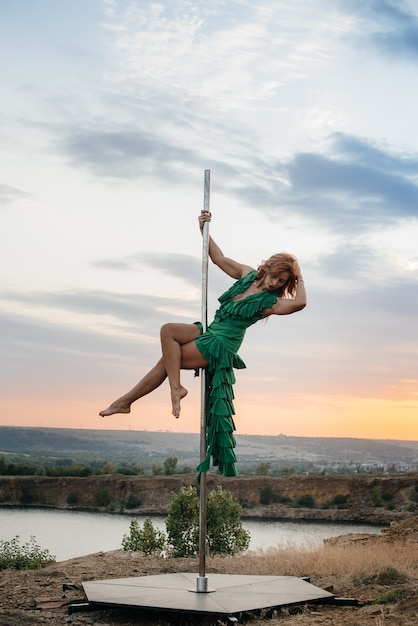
[167,330]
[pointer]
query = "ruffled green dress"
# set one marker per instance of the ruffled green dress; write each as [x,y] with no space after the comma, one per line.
[219,345]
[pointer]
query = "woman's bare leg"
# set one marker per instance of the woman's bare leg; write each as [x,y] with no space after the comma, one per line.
[155,377]
[179,352]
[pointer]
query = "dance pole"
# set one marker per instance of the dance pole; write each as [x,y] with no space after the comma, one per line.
[202,581]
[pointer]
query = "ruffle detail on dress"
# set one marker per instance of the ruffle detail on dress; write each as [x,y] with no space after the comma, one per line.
[247,307]
[218,355]
[220,440]
[238,287]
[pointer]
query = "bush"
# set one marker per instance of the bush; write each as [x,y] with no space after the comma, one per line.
[28,496]
[224,532]
[394,595]
[26,556]
[386,577]
[132,502]
[376,496]
[148,540]
[267,495]
[182,522]
[340,500]
[72,498]
[101,498]
[305,501]
[156,469]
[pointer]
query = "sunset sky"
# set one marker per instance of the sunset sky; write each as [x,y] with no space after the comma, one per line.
[305,112]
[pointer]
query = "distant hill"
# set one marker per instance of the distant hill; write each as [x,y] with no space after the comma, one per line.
[145,446]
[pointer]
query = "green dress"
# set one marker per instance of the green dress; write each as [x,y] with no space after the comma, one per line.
[219,345]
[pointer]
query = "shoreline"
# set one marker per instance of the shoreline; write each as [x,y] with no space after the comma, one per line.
[372,517]
[371,499]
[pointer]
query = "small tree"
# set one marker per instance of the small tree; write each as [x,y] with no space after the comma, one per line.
[225,534]
[182,522]
[148,540]
[156,469]
[170,465]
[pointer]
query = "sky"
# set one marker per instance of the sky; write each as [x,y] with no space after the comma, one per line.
[305,114]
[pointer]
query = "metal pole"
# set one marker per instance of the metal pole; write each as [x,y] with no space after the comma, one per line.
[202,581]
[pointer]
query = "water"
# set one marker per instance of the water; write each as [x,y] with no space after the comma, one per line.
[69,534]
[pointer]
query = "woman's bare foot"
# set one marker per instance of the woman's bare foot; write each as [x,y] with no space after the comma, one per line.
[118,406]
[176,396]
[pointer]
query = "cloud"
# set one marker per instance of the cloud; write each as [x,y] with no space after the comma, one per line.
[391,26]
[140,311]
[182,266]
[231,55]
[350,185]
[46,360]
[125,152]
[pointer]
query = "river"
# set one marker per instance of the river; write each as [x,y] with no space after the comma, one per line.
[68,534]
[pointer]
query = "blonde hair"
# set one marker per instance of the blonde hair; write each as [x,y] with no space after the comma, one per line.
[281,262]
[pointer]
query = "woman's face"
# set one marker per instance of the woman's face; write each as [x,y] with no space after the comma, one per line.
[275,280]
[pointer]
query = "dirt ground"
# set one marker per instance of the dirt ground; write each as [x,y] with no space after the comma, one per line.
[35,597]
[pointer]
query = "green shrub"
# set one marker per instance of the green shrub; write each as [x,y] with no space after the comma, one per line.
[156,469]
[224,532]
[148,540]
[340,500]
[182,522]
[72,498]
[305,501]
[388,596]
[132,502]
[387,496]
[13,555]
[101,498]
[27,496]
[390,576]
[386,577]
[376,496]
[267,494]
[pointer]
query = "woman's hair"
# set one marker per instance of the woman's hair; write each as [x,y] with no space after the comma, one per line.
[281,262]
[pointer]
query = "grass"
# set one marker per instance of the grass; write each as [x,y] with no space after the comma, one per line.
[346,562]
[374,574]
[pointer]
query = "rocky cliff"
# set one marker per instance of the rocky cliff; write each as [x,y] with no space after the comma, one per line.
[377,499]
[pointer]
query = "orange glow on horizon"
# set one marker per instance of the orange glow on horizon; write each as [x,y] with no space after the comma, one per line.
[301,416]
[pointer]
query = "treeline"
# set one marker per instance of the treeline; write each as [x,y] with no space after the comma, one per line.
[58,467]
[66,467]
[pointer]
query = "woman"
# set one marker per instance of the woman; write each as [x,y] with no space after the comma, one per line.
[275,288]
